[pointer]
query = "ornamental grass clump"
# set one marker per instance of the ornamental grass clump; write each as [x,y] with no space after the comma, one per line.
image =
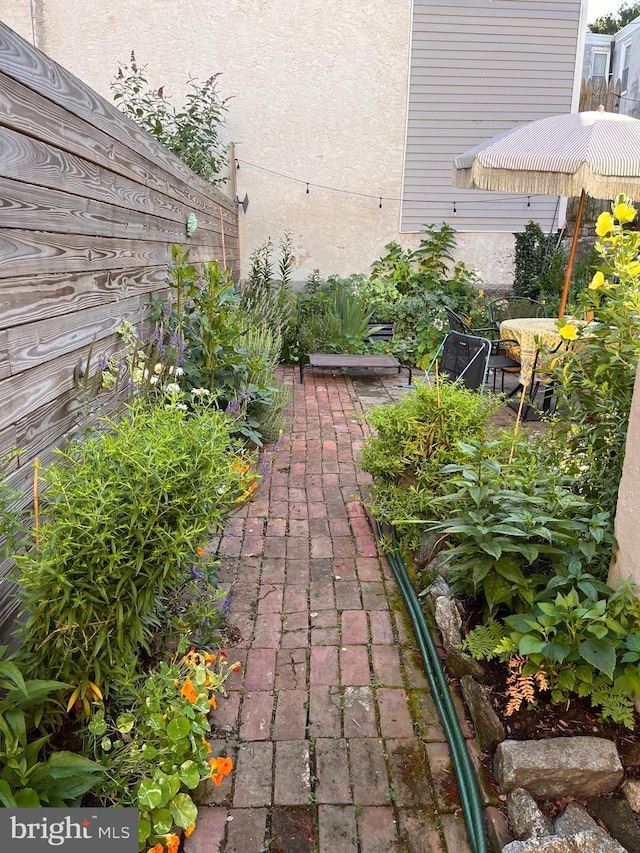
[125,514]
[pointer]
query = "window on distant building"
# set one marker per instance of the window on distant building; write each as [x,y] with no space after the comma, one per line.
[599,63]
[624,66]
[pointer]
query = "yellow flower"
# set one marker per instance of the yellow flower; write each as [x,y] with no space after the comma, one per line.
[481,293]
[597,281]
[604,224]
[189,830]
[624,212]
[568,332]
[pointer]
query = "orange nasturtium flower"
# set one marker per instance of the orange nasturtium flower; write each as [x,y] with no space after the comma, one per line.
[220,767]
[188,691]
[189,830]
[208,658]
[201,552]
[157,849]
[212,703]
[173,842]
[236,666]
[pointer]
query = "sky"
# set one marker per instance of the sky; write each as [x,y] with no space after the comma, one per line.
[597,8]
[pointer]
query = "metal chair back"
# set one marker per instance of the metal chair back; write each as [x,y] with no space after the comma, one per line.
[464,358]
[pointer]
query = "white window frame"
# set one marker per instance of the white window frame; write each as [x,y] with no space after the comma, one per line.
[624,66]
[605,73]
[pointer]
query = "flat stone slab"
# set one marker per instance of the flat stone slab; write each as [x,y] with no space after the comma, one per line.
[558,767]
[582,842]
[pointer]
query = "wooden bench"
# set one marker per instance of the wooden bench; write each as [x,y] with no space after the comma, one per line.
[337,361]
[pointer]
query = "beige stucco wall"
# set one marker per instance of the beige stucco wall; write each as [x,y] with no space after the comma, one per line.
[319,93]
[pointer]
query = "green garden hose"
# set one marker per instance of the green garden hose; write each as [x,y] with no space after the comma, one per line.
[465,773]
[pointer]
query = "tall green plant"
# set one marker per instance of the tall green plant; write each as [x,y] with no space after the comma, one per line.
[125,514]
[192,132]
[595,376]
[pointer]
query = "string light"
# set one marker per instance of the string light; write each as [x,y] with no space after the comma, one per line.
[491,198]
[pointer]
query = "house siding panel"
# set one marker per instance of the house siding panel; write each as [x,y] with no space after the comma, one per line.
[480,67]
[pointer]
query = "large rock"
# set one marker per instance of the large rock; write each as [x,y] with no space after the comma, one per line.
[525,817]
[459,664]
[498,834]
[448,620]
[431,542]
[489,729]
[558,767]
[620,820]
[631,790]
[575,818]
[582,842]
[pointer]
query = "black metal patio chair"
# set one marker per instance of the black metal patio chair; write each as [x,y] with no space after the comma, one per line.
[498,359]
[464,358]
[514,307]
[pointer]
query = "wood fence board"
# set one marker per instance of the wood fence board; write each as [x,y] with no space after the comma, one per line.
[36,343]
[30,207]
[29,299]
[38,253]
[5,366]
[32,161]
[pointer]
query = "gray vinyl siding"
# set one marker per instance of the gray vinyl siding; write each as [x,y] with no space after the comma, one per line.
[478,68]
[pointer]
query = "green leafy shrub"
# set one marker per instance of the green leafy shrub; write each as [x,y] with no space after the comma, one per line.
[125,514]
[192,133]
[583,637]
[31,773]
[156,753]
[412,440]
[510,526]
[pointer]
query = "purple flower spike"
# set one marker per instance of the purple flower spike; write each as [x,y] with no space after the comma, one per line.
[196,574]
[160,93]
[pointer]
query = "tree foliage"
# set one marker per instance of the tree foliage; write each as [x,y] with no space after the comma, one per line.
[612,22]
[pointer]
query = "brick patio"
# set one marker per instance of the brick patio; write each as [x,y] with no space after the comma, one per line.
[336,744]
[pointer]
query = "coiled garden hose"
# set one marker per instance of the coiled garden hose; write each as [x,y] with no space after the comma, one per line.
[465,773]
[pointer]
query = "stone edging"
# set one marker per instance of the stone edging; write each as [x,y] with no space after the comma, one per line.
[584,767]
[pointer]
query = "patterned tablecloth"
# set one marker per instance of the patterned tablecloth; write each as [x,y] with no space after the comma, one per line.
[525,330]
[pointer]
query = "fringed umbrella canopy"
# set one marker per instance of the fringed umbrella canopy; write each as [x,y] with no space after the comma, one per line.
[594,153]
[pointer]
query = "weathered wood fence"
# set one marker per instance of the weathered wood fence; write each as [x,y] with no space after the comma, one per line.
[90,206]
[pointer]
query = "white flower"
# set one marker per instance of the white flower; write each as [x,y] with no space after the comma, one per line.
[170,370]
[181,406]
[179,371]
[438,324]
[145,373]
[201,392]
[154,380]
[172,388]
[158,368]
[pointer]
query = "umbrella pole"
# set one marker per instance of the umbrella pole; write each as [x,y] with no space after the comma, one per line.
[572,255]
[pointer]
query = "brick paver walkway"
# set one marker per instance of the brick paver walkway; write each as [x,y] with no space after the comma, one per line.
[336,744]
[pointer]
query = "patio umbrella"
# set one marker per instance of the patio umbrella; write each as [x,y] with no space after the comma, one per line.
[575,154]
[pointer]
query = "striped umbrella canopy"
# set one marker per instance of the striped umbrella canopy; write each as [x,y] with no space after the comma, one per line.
[594,153]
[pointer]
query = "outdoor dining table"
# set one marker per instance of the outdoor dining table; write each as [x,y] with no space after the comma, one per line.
[522,337]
